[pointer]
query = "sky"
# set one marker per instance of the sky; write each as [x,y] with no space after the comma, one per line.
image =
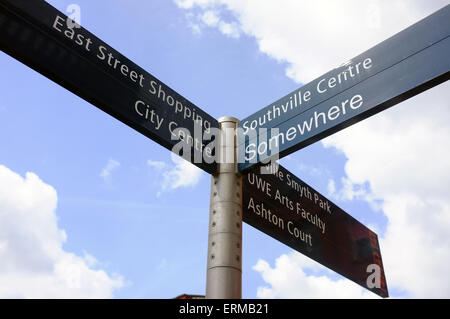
[90,208]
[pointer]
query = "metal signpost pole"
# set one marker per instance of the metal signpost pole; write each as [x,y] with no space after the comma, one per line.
[224,266]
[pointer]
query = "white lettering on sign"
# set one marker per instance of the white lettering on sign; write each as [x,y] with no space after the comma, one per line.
[353,70]
[144,111]
[61,26]
[289,226]
[176,105]
[315,122]
[301,97]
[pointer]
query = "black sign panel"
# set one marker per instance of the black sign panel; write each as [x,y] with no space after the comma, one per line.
[43,38]
[286,208]
[398,68]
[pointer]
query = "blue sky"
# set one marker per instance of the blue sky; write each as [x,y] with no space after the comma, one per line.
[146,233]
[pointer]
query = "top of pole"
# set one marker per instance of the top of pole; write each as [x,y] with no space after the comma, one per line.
[228,119]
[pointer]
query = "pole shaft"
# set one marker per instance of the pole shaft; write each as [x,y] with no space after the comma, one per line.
[224,265]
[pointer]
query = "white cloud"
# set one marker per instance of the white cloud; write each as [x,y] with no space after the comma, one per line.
[331,187]
[289,279]
[181,174]
[109,168]
[315,36]
[402,154]
[33,263]
[188,4]
[193,24]
[196,29]
[210,18]
[351,191]
[158,165]
[313,170]
[229,29]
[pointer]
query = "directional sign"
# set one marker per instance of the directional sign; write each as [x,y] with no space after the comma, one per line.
[286,208]
[398,68]
[43,38]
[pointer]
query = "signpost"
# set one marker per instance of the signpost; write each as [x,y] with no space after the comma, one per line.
[286,208]
[43,38]
[398,68]
[278,203]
